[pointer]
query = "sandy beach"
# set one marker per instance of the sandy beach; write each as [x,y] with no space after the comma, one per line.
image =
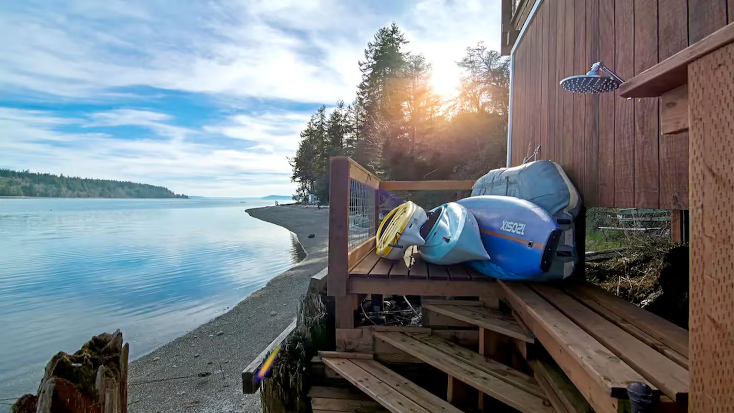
[220,349]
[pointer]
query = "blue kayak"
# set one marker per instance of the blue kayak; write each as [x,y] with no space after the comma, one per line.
[452,236]
[519,236]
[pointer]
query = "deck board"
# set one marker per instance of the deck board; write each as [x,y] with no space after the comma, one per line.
[469,374]
[419,268]
[496,369]
[666,332]
[485,318]
[374,387]
[458,273]
[669,377]
[381,269]
[437,272]
[399,269]
[598,373]
[406,387]
[365,266]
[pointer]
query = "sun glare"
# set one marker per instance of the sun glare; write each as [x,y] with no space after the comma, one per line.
[445,82]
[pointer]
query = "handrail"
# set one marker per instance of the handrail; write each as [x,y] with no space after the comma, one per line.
[426,185]
[360,174]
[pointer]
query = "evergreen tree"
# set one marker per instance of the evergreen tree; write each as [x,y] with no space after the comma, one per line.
[26,183]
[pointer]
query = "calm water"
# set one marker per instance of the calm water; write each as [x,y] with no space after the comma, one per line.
[73,268]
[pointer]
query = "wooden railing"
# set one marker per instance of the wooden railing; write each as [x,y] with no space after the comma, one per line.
[344,210]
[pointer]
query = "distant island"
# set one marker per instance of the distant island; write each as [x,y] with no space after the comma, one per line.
[26,183]
[272,197]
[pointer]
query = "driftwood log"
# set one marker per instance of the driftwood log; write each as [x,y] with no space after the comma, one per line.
[92,380]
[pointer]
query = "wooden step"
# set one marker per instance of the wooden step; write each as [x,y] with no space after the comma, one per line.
[599,374]
[345,400]
[389,389]
[564,396]
[498,381]
[482,317]
[635,320]
[669,377]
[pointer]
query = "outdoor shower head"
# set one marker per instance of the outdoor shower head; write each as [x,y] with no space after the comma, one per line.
[592,82]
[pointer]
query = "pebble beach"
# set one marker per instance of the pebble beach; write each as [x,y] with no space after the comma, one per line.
[201,371]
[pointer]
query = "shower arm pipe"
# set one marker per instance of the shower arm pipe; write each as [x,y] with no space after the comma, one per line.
[600,66]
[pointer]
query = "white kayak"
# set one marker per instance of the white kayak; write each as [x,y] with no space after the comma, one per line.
[400,230]
[451,236]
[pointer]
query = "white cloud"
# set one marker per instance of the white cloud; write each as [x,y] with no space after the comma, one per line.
[181,165]
[231,50]
[273,132]
[301,51]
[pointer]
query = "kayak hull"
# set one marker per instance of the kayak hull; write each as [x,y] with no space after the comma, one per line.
[519,236]
[453,238]
[400,230]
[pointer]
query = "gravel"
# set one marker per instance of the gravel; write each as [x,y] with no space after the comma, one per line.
[212,381]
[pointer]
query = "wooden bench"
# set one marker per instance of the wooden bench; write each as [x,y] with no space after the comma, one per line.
[603,343]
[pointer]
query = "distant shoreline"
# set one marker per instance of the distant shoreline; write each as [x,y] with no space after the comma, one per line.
[81,197]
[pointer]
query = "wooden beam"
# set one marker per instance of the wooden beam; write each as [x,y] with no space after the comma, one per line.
[356,255]
[630,328]
[711,304]
[433,319]
[665,374]
[480,317]
[464,338]
[406,387]
[674,111]
[360,174]
[673,71]
[662,330]
[374,387]
[417,287]
[336,284]
[469,374]
[484,363]
[598,374]
[345,355]
[426,185]
[336,393]
[345,405]
[358,340]
[249,382]
[552,379]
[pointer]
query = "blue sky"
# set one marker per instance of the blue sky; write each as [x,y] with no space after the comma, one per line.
[204,97]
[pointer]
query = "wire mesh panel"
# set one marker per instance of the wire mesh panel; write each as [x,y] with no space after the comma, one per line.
[362,213]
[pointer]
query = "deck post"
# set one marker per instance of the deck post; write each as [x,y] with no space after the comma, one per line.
[336,283]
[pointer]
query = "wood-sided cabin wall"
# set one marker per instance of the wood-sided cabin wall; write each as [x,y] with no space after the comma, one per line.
[610,147]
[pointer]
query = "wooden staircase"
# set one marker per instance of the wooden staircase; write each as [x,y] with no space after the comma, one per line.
[397,394]
[388,388]
[571,348]
[489,377]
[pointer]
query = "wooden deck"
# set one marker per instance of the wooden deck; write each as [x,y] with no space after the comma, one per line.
[413,276]
[565,347]
[412,267]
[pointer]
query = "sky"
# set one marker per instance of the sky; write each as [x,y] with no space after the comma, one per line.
[204,97]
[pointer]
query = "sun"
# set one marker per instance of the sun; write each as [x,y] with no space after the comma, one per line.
[445,82]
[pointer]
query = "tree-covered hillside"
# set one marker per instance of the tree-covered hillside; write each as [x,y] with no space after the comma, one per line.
[14,183]
[400,128]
